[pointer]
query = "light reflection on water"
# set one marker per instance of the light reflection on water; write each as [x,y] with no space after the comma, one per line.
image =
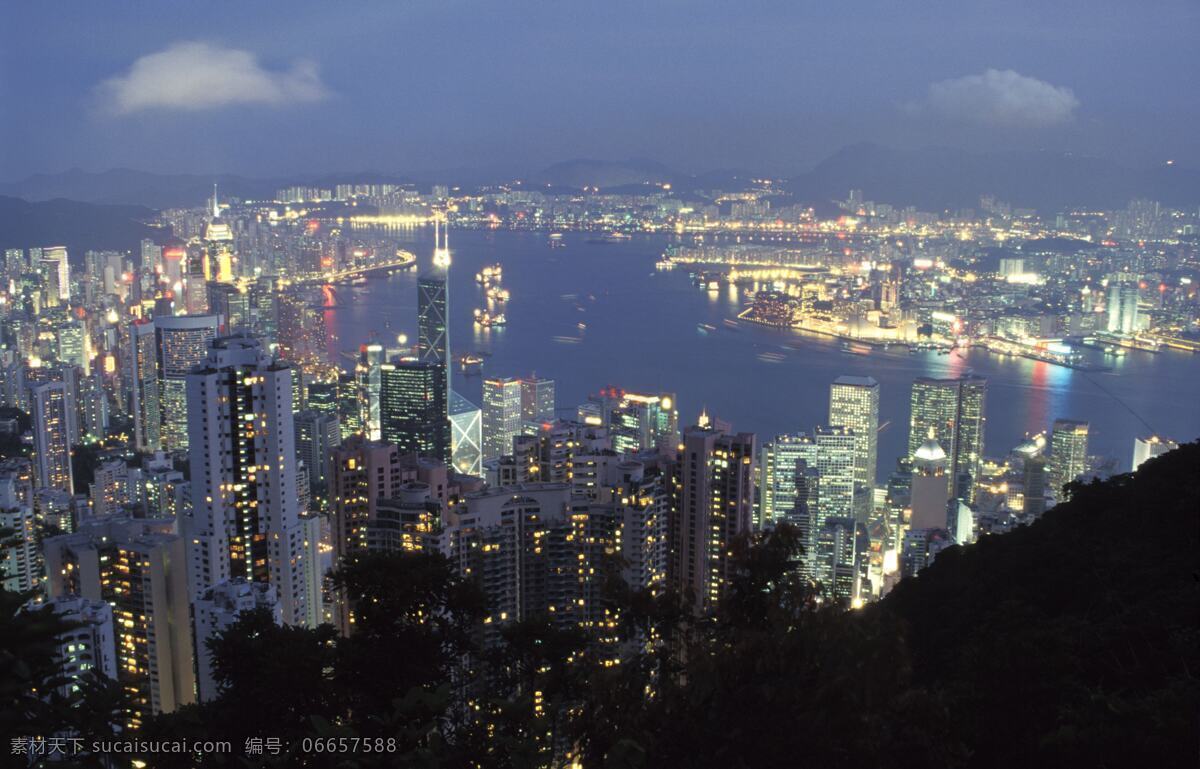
[641,333]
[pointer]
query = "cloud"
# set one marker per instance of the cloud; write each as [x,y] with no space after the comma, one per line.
[1000,97]
[199,76]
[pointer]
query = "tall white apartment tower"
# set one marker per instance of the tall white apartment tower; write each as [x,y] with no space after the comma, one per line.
[246,521]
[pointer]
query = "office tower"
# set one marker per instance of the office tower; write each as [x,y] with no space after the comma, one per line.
[230,305]
[954,408]
[323,397]
[214,612]
[1122,304]
[182,343]
[1150,447]
[317,435]
[57,268]
[854,404]
[501,415]
[920,548]
[1068,454]
[413,409]
[433,305]
[1034,480]
[350,413]
[840,554]
[712,500]
[150,255]
[138,567]
[537,399]
[88,647]
[246,522]
[20,562]
[830,452]
[466,435]
[368,373]
[930,491]
[637,421]
[52,407]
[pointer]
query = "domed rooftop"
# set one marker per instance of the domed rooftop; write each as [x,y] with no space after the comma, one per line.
[930,452]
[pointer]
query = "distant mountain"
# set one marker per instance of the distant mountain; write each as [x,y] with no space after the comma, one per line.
[936,179]
[930,179]
[78,226]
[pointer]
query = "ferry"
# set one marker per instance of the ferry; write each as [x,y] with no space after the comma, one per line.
[487,320]
[471,363]
[615,236]
[491,273]
[705,328]
[855,349]
[556,240]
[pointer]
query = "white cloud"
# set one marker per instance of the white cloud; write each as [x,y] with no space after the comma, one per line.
[199,76]
[1001,97]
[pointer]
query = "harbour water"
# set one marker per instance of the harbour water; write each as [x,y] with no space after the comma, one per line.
[591,315]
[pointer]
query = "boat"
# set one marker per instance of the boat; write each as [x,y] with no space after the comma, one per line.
[855,349]
[497,294]
[612,237]
[556,240]
[705,328]
[490,274]
[487,320]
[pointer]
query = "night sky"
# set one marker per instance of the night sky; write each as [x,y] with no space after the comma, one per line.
[266,88]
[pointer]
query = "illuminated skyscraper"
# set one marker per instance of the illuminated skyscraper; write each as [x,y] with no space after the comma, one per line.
[182,343]
[829,452]
[711,504]
[57,268]
[370,359]
[854,403]
[52,406]
[246,520]
[501,415]
[1122,303]
[145,399]
[1068,454]
[930,491]
[537,399]
[1150,447]
[413,411]
[954,409]
[466,435]
[433,306]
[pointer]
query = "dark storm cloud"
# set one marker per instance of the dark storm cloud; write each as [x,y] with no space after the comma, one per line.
[415,86]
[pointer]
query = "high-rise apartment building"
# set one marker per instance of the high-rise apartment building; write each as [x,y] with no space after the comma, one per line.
[182,343]
[145,399]
[137,566]
[712,500]
[954,409]
[1150,447]
[52,406]
[246,521]
[317,435]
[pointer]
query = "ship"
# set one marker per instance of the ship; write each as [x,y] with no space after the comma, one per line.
[490,274]
[612,237]
[487,319]
[556,240]
[497,294]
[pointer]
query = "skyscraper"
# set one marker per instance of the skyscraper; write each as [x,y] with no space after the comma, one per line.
[144,396]
[1122,303]
[501,415]
[413,409]
[466,435]
[182,343]
[246,521]
[954,409]
[317,435]
[537,399]
[854,403]
[57,267]
[52,407]
[433,306]
[930,492]
[1150,447]
[1068,454]
[370,359]
[712,498]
